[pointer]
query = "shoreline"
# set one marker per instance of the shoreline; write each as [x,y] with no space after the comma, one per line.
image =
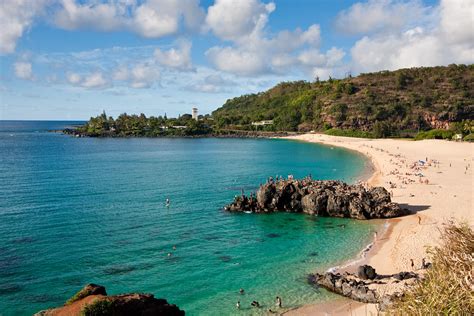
[401,239]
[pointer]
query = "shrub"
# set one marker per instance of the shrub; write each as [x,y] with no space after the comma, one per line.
[435,134]
[447,286]
[469,138]
[381,130]
[98,308]
[348,133]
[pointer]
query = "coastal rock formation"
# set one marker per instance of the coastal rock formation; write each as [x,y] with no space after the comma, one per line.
[93,300]
[374,289]
[366,272]
[322,198]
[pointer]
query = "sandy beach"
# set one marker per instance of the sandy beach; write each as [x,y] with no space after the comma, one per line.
[433,178]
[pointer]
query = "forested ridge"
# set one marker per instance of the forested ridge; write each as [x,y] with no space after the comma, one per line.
[386,103]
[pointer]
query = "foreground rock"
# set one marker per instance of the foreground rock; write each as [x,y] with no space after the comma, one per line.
[322,198]
[378,289]
[93,300]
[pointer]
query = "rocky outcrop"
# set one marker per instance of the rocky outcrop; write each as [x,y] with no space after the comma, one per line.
[89,289]
[93,300]
[371,288]
[322,198]
[366,272]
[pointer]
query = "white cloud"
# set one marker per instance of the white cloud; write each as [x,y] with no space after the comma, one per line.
[100,16]
[380,15]
[178,58]
[232,20]
[151,18]
[237,61]
[23,70]
[143,76]
[286,51]
[16,17]
[448,39]
[253,51]
[121,74]
[213,83]
[73,78]
[140,76]
[457,21]
[95,80]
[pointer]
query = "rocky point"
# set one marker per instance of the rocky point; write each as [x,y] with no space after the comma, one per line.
[321,198]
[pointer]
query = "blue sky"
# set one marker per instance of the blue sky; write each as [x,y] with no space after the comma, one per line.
[71,59]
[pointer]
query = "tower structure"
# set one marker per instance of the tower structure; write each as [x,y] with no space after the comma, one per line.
[195,114]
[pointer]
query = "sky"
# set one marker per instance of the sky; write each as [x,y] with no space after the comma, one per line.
[72,59]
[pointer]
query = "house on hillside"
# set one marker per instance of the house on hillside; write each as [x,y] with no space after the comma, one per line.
[262,123]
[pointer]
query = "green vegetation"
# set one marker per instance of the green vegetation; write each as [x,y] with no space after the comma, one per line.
[447,288]
[435,134]
[139,125]
[384,104]
[101,307]
[417,102]
[469,138]
[349,133]
[78,296]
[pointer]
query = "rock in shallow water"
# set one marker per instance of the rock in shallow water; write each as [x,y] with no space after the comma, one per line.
[321,198]
[370,288]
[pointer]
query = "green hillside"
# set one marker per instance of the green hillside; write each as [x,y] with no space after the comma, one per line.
[386,103]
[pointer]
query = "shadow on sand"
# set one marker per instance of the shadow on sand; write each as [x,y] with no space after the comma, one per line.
[414,208]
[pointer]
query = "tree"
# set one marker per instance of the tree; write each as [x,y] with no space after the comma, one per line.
[381,130]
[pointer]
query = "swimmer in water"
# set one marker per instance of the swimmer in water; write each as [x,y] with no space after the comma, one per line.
[278,301]
[255,304]
[167,202]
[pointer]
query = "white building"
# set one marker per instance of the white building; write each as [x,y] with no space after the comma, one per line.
[262,123]
[195,114]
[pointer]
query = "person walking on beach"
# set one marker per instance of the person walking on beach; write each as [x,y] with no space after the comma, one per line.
[412,264]
[419,220]
[278,301]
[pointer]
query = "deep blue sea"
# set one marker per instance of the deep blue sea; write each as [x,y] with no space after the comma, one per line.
[87,210]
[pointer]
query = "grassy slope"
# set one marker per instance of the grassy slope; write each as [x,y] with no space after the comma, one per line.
[448,287]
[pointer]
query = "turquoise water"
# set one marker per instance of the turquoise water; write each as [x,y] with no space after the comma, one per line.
[81,210]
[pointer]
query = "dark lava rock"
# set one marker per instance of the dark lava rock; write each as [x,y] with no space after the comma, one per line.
[366,272]
[366,287]
[405,275]
[321,198]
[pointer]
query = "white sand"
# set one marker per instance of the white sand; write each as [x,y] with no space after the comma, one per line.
[447,196]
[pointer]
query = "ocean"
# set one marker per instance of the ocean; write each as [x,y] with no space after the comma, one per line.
[88,210]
